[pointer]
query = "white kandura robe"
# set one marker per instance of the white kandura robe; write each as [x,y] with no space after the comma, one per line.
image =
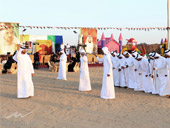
[126,70]
[108,91]
[147,81]
[115,70]
[168,86]
[130,73]
[62,67]
[154,73]
[84,83]
[151,65]
[139,77]
[165,88]
[161,80]
[25,87]
[121,74]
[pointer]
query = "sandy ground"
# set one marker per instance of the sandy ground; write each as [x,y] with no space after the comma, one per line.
[59,104]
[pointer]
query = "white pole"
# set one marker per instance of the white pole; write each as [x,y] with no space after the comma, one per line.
[168,33]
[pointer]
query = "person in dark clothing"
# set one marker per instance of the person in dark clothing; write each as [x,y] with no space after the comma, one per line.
[8,63]
[54,58]
[72,64]
[36,60]
[78,56]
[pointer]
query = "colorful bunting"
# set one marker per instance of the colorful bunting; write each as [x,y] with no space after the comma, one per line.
[98,28]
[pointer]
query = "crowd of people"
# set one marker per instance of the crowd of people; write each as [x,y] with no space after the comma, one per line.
[128,70]
[149,74]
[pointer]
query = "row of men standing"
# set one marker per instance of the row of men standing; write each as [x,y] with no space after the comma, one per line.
[136,72]
[119,70]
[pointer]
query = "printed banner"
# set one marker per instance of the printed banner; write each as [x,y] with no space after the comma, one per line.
[9,37]
[44,47]
[88,37]
[59,41]
[53,38]
[37,37]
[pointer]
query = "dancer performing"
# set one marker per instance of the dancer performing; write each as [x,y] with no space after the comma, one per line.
[108,91]
[84,83]
[62,66]
[25,71]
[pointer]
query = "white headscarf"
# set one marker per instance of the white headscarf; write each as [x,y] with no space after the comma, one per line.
[82,51]
[150,54]
[21,49]
[167,52]
[15,57]
[105,50]
[134,53]
[155,55]
[62,46]
[119,55]
[125,52]
[138,56]
[113,52]
[62,51]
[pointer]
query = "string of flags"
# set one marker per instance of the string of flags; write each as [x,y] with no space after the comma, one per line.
[98,28]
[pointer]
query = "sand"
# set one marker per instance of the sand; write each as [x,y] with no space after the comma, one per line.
[59,104]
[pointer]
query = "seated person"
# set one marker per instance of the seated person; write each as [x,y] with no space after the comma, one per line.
[36,60]
[8,64]
[54,58]
[72,63]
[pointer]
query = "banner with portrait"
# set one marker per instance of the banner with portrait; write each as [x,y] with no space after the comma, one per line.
[88,37]
[9,37]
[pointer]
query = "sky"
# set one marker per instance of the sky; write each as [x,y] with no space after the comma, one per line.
[89,13]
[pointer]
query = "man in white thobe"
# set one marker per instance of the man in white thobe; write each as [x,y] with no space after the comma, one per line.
[121,72]
[134,54]
[84,83]
[130,70]
[114,60]
[165,90]
[161,79]
[62,46]
[108,91]
[25,71]
[62,66]
[139,75]
[67,49]
[154,73]
[147,80]
[144,82]
[151,62]
[167,56]
[151,71]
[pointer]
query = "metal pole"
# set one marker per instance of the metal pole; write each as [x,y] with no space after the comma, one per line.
[168,33]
